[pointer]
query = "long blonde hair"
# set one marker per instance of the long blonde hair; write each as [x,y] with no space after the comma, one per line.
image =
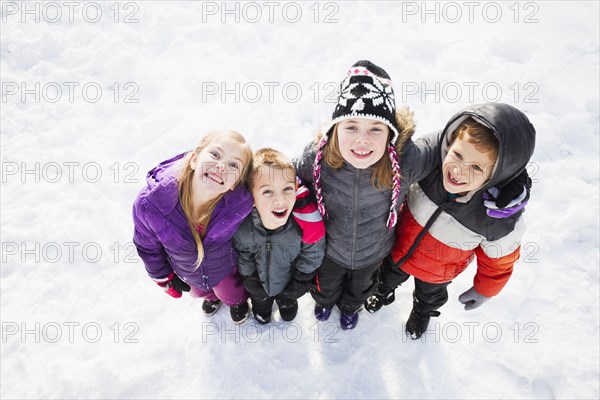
[185,184]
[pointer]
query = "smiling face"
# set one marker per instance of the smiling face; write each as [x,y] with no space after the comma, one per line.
[217,168]
[274,192]
[465,167]
[362,142]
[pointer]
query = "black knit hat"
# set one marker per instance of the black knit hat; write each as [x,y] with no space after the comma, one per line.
[366,92]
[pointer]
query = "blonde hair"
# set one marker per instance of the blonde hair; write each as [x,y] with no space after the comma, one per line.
[383,173]
[185,184]
[268,157]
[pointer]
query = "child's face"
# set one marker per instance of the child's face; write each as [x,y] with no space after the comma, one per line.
[274,193]
[466,168]
[362,142]
[218,166]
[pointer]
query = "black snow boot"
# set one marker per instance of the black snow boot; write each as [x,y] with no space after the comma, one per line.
[288,311]
[382,297]
[261,316]
[418,322]
[239,313]
[211,306]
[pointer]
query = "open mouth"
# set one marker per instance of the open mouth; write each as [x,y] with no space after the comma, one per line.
[214,177]
[453,181]
[280,213]
[361,154]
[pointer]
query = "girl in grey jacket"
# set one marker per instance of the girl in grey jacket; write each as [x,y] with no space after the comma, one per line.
[360,182]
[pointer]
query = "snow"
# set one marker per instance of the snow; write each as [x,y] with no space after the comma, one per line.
[81,324]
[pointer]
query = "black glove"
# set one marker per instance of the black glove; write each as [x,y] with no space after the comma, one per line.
[179,285]
[253,285]
[514,189]
[173,285]
[294,289]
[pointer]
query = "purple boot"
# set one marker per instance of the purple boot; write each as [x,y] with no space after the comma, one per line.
[322,313]
[349,321]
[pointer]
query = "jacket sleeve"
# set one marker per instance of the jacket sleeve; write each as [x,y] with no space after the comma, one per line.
[307,216]
[304,163]
[313,241]
[493,273]
[310,258]
[225,220]
[420,157]
[149,248]
[246,262]
[495,261]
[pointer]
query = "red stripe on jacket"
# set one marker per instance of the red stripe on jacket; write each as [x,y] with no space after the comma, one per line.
[436,262]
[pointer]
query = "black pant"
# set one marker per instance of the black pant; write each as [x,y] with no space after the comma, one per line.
[426,296]
[346,288]
[262,303]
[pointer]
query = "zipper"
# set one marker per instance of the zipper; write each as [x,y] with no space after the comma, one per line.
[355,217]
[269,252]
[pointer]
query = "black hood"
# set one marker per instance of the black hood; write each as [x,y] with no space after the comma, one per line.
[515,134]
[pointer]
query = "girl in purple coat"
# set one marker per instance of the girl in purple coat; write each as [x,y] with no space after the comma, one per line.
[185,218]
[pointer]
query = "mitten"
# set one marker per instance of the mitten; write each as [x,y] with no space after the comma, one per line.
[307,216]
[173,285]
[254,286]
[504,201]
[471,299]
[294,289]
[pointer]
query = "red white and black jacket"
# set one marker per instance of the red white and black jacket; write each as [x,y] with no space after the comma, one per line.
[448,247]
[438,238]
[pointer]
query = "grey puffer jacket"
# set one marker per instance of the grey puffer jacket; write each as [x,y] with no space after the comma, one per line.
[275,255]
[356,230]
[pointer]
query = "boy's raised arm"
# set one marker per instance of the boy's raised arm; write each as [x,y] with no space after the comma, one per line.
[304,163]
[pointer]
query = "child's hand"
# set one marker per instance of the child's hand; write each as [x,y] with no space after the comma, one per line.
[173,285]
[294,289]
[254,286]
[509,199]
[471,299]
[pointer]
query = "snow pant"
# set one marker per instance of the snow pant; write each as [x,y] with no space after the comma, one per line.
[229,290]
[262,303]
[426,296]
[346,288]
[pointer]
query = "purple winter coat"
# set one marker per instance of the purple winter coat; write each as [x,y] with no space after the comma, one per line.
[162,234]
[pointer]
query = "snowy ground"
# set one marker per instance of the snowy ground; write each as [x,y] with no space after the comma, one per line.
[80,318]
